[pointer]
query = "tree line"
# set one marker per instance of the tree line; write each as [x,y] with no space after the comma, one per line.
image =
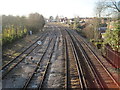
[108,10]
[15,27]
[107,16]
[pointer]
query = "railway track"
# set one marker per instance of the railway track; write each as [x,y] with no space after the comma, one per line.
[74,74]
[33,73]
[21,49]
[41,68]
[73,77]
[13,63]
[102,77]
[110,81]
[74,67]
[83,68]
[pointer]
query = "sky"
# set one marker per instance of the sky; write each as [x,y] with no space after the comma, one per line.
[65,8]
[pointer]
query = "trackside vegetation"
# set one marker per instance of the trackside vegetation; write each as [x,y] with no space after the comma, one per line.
[16,27]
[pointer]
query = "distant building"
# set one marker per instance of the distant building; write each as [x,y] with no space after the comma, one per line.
[102,29]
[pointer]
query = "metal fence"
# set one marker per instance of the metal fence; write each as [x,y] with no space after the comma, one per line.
[113,56]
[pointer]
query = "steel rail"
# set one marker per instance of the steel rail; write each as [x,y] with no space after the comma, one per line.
[98,59]
[30,78]
[3,67]
[83,83]
[78,66]
[89,64]
[4,75]
[66,64]
[92,66]
[45,72]
[66,60]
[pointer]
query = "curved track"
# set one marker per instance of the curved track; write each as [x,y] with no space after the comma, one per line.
[74,72]
[101,75]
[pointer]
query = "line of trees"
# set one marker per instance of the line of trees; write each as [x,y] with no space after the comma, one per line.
[109,10]
[107,15]
[15,27]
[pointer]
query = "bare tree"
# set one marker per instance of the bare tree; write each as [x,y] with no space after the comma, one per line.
[113,4]
[107,7]
[99,8]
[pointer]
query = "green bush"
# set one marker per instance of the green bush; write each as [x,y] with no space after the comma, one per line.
[112,36]
[12,33]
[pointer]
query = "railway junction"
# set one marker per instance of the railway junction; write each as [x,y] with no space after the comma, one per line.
[59,58]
